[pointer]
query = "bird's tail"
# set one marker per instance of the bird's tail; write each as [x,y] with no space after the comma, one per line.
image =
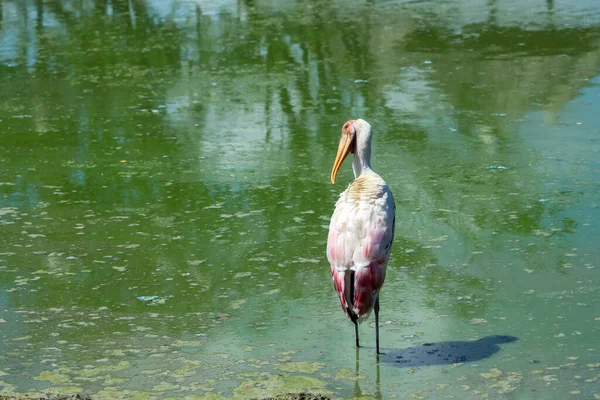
[358,289]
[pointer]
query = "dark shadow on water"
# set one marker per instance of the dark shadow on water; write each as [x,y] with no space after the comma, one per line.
[428,354]
[446,352]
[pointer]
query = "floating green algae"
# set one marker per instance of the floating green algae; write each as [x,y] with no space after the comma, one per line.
[53,377]
[7,388]
[300,366]
[345,373]
[113,393]
[267,384]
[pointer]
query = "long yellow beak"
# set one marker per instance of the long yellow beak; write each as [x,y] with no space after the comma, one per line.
[343,149]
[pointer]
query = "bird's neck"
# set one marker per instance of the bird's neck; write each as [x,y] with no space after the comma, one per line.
[361,163]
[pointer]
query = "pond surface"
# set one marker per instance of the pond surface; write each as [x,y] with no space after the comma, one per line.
[181,151]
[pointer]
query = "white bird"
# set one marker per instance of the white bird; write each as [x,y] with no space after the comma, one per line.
[361,230]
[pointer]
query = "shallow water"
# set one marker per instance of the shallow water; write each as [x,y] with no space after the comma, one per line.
[183,150]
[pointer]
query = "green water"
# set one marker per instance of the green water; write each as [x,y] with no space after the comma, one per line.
[183,150]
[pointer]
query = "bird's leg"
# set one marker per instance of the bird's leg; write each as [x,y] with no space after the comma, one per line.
[376,325]
[351,313]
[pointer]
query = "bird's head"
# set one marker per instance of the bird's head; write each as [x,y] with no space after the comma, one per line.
[356,139]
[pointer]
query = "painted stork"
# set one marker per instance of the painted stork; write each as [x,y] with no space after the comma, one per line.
[361,230]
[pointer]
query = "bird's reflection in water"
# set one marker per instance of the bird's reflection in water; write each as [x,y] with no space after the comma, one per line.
[443,353]
[357,391]
[377,381]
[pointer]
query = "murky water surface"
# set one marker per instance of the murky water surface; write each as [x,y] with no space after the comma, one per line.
[165,197]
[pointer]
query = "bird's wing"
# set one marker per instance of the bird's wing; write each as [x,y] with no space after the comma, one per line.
[362,226]
[359,244]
